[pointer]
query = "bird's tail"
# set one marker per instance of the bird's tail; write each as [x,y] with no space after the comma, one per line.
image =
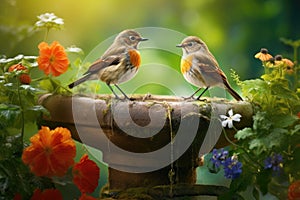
[233,93]
[77,82]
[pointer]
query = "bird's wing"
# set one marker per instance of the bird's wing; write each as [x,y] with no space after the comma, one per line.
[210,70]
[103,63]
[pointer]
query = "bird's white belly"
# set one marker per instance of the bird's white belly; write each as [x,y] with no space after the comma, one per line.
[129,74]
[193,80]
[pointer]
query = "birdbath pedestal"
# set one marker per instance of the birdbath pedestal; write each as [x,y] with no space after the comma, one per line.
[153,144]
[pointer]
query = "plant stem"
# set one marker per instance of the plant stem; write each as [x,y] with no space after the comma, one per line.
[46,34]
[236,145]
[56,86]
[296,67]
[22,111]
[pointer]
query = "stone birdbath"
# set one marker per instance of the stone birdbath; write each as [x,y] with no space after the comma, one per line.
[153,144]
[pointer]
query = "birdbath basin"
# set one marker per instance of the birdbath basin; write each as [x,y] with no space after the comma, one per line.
[153,142]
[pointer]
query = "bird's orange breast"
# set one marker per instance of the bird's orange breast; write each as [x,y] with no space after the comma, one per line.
[186,64]
[135,58]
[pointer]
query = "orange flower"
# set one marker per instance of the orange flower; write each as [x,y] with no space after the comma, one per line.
[86,174]
[289,70]
[24,78]
[51,153]
[288,62]
[86,197]
[294,191]
[17,67]
[263,55]
[48,194]
[52,59]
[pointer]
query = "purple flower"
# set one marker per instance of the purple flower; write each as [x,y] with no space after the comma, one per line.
[274,162]
[218,158]
[232,167]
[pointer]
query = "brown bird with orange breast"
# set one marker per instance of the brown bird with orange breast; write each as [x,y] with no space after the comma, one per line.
[118,64]
[200,68]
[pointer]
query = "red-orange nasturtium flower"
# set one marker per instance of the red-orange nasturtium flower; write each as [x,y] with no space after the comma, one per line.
[17,67]
[51,152]
[86,174]
[86,197]
[24,78]
[52,59]
[294,191]
[48,194]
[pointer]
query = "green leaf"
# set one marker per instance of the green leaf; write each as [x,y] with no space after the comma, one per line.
[255,89]
[9,115]
[261,123]
[255,193]
[293,43]
[283,121]
[18,58]
[29,88]
[257,144]
[296,130]
[37,108]
[275,138]
[238,184]
[268,140]
[46,84]
[263,179]
[282,91]
[245,133]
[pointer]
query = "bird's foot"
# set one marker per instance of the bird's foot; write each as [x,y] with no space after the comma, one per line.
[190,98]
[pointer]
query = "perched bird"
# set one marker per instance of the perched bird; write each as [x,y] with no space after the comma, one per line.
[118,64]
[200,68]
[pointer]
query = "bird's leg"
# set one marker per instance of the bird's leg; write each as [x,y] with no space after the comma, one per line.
[126,97]
[117,97]
[192,96]
[198,98]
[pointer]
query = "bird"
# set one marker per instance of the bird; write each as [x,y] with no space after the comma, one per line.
[119,63]
[200,68]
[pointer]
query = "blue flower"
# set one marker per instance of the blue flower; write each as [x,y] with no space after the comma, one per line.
[232,167]
[274,162]
[218,158]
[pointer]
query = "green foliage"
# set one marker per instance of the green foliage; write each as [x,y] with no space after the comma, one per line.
[17,99]
[18,106]
[275,129]
[14,175]
[19,109]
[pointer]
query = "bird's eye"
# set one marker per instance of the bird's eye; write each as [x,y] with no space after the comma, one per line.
[132,38]
[190,44]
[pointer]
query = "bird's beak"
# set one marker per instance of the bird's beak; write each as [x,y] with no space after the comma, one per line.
[179,45]
[144,39]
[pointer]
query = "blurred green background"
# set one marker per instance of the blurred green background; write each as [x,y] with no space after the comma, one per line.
[234,31]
